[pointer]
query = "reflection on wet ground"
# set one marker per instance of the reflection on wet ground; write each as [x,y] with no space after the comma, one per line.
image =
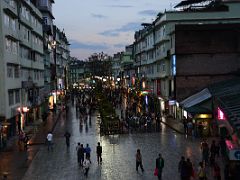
[118,152]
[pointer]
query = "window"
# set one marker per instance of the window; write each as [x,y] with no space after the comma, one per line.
[17,96]
[24,52]
[164,30]
[11,46]
[16,72]
[6,20]
[8,44]
[158,67]
[45,20]
[163,67]
[9,71]
[43,2]
[14,47]
[10,97]
[13,24]
[13,4]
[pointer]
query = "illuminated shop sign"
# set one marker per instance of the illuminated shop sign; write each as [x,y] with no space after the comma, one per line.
[174,71]
[221,115]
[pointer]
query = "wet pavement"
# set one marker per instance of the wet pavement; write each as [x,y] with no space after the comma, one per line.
[14,160]
[118,153]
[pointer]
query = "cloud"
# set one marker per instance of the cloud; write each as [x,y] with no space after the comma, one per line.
[88,46]
[110,33]
[119,45]
[132,26]
[120,6]
[99,16]
[148,12]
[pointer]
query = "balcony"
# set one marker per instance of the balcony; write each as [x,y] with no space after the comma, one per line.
[45,8]
[11,8]
[48,29]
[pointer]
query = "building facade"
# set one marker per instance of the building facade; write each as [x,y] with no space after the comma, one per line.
[157,50]
[22,67]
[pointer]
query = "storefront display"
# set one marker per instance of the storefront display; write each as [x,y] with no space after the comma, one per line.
[202,124]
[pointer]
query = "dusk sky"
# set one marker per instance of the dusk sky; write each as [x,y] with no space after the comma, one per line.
[104,25]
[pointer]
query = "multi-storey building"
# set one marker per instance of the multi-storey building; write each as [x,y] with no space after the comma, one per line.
[116,65]
[62,57]
[22,66]
[76,72]
[163,62]
[45,6]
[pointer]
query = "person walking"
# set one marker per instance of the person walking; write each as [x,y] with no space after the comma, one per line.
[67,135]
[139,160]
[182,168]
[99,153]
[88,152]
[189,168]
[212,153]
[216,172]
[50,141]
[180,164]
[159,165]
[201,172]
[86,165]
[26,139]
[80,154]
[205,152]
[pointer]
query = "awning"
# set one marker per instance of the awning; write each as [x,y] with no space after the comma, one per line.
[196,98]
[198,110]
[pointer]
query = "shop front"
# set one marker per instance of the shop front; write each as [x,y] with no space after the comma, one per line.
[233,158]
[202,119]
[4,131]
[202,124]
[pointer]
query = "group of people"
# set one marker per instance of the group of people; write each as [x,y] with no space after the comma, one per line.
[186,170]
[84,155]
[159,164]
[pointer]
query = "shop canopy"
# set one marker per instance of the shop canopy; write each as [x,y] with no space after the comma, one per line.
[196,98]
[198,110]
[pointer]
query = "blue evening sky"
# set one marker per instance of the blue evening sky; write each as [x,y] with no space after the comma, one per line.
[104,25]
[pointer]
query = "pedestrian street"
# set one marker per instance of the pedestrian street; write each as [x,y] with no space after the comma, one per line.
[118,153]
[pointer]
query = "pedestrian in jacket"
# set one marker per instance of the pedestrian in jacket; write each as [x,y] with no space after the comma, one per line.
[99,153]
[67,135]
[88,152]
[80,154]
[189,168]
[139,160]
[160,166]
[201,172]
[86,165]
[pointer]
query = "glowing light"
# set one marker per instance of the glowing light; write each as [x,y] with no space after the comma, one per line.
[25,109]
[146,99]
[221,115]
[143,85]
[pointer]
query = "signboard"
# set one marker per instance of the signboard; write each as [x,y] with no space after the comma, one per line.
[171,102]
[234,155]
